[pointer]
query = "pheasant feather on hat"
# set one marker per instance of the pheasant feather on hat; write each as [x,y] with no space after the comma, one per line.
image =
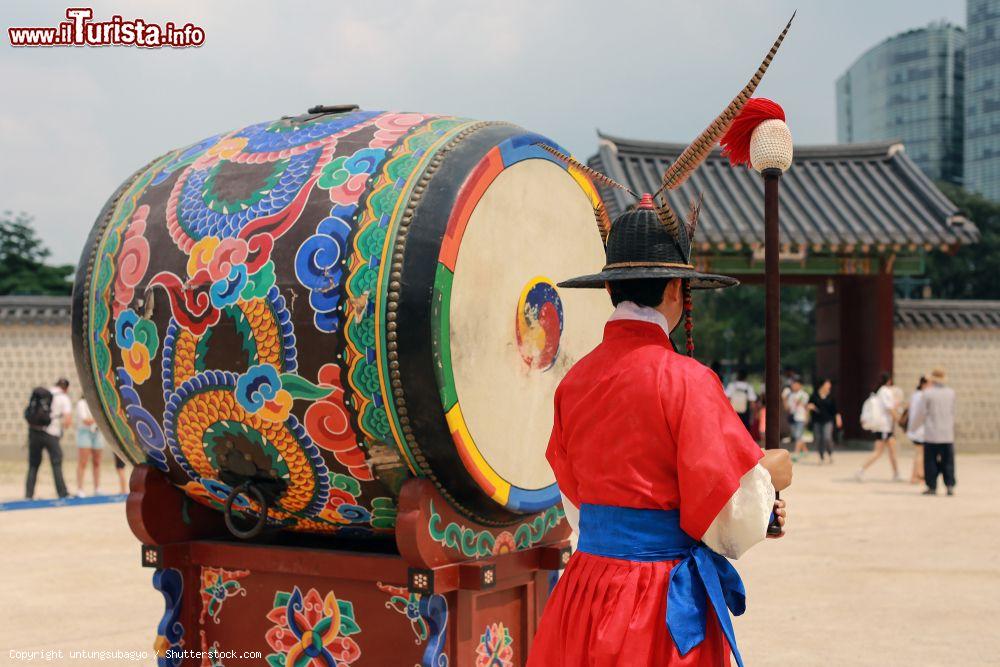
[651,241]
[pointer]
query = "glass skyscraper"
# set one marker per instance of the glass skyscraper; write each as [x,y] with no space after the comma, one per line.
[982,98]
[910,87]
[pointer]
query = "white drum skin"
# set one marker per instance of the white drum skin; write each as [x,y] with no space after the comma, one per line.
[521,229]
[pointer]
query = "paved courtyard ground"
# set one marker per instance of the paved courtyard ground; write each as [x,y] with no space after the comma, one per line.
[869,574]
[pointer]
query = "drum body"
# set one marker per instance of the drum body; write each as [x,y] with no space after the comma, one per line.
[330,304]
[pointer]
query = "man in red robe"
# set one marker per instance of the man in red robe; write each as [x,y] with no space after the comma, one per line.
[658,474]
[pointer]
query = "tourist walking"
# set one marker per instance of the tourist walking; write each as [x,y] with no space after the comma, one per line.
[823,408]
[878,415]
[49,411]
[915,434]
[88,447]
[936,414]
[797,404]
[742,397]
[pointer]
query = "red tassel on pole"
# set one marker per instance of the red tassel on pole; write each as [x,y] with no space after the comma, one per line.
[736,141]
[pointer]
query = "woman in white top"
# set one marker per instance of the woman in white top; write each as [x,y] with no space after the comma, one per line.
[916,433]
[884,440]
[88,447]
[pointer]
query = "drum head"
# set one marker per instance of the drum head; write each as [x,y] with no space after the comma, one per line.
[510,335]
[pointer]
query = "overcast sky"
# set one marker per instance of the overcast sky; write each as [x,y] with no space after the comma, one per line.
[75,122]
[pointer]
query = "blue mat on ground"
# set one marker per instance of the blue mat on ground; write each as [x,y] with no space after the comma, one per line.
[62,502]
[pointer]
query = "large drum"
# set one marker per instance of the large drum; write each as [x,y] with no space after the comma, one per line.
[329,304]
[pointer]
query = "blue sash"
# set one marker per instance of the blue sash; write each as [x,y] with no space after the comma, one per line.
[700,577]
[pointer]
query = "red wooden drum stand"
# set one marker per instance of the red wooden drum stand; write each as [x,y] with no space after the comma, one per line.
[447,591]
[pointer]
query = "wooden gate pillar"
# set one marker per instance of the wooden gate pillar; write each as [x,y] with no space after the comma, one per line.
[866,340]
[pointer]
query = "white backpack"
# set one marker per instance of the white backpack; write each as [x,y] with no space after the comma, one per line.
[740,400]
[870,414]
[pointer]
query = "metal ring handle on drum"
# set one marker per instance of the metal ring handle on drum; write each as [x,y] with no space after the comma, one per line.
[255,530]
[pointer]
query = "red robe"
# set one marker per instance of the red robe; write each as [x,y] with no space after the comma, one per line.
[637,425]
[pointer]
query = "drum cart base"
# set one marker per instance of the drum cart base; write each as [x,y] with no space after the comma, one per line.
[447,591]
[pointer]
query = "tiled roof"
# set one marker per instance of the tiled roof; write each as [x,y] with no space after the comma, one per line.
[20,309]
[943,314]
[837,198]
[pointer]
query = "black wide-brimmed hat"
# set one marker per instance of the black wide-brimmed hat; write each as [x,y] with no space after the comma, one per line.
[641,246]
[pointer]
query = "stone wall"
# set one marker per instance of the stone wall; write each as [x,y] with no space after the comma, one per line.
[35,349]
[971,358]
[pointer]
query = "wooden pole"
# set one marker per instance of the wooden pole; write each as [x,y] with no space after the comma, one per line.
[772,309]
[772,318]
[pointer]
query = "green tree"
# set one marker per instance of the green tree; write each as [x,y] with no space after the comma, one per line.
[970,273]
[22,260]
[729,327]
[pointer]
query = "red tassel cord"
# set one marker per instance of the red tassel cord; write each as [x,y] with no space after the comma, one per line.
[736,141]
[688,319]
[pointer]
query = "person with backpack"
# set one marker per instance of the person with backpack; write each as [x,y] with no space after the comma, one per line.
[742,397]
[49,411]
[878,416]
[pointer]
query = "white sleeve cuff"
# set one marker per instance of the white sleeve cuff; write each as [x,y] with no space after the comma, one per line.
[742,523]
[572,516]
